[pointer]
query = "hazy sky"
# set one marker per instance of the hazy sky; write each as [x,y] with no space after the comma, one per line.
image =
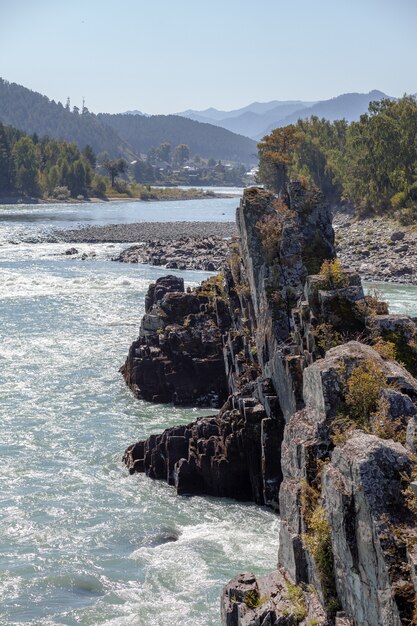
[162,56]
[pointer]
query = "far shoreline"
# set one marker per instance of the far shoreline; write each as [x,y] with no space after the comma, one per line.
[180,197]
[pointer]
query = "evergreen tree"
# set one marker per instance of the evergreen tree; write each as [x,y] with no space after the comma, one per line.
[65,173]
[26,167]
[89,154]
[78,179]
[6,183]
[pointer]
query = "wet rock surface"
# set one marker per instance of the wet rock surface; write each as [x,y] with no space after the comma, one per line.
[211,456]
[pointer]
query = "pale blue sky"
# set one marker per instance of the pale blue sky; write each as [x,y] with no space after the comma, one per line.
[164,56]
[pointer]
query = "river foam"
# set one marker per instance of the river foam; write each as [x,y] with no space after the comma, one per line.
[83,542]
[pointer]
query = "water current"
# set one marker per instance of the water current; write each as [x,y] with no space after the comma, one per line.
[81,541]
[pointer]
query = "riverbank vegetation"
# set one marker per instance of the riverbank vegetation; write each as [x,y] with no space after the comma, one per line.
[167,165]
[50,169]
[124,190]
[46,168]
[371,163]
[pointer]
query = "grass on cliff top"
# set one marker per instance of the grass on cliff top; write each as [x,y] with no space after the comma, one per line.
[253,599]
[295,596]
[364,405]
[332,275]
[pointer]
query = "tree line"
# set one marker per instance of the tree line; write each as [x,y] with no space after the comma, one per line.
[118,135]
[51,168]
[165,165]
[43,167]
[371,163]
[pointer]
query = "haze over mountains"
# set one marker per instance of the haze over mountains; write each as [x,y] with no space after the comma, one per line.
[224,135]
[258,119]
[251,120]
[126,135]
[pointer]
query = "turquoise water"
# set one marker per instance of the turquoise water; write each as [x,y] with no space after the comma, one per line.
[21,221]
[81,541]
[401,298]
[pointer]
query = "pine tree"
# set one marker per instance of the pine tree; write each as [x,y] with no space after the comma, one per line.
[26,167]
[5,162]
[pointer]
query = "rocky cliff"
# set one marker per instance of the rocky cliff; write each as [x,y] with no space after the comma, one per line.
[178,356]
[319,421]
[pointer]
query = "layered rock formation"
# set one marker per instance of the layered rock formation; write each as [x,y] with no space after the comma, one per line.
[178,355]
[320,420]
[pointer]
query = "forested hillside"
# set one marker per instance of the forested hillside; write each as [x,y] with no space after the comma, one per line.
[118,135]
[31,112]
[206,140]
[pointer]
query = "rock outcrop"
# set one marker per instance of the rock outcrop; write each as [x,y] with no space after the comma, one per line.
[185,253]
[218,455]
[262,356]
[347,494]
[319,423]
[178,356]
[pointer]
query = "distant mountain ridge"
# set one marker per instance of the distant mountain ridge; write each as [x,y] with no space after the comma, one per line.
[258,108]
[225,135]
[203,139]
[258,119]
[250,120]
[126,135]
[135,112]
[348,106]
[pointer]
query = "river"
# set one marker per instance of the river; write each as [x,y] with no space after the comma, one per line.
[83,542]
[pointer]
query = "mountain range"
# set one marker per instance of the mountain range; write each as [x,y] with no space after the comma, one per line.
[225,135]
[258,119]
[128,135]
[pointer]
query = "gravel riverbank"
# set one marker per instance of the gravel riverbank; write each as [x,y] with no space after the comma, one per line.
[377,248]
[146,231]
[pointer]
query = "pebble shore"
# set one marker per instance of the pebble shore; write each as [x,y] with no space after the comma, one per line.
[377,248]
[146,231]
